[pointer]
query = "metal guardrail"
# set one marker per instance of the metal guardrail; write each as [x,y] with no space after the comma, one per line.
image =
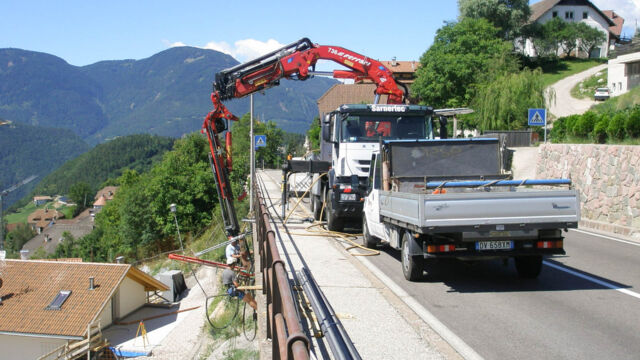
[284,327]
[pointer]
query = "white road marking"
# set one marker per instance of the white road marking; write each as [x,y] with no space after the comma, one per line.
[458,344]
[606,237]
[594,280]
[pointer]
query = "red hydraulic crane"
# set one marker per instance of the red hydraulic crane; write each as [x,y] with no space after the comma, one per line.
[295,61]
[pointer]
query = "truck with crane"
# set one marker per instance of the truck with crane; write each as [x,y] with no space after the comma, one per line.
[351,150]
[453,198]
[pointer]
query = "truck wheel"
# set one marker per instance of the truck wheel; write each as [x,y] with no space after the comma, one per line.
[367,239]
[411,264]
[528,267]
[316,205]
[334,223]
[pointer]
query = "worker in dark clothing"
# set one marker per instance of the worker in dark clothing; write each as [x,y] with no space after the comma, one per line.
[230,281]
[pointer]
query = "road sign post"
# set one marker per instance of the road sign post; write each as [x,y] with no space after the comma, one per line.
[538,117]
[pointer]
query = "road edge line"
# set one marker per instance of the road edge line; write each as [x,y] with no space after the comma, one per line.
[456,343]
[608,237]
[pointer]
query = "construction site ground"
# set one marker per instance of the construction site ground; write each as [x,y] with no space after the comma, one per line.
[178,336]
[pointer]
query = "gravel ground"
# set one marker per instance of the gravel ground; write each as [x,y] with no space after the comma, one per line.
[189,340]
[565,104]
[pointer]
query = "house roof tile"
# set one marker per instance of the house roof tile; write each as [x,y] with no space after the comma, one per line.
[30,286]
[44,214]
[619,22]
[107,191]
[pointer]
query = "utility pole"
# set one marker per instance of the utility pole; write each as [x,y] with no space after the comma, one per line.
[252,156]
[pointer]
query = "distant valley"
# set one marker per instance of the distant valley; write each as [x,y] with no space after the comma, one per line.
[166,94]
[56,111]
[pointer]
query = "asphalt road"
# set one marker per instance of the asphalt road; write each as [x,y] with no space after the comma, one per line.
[585,305]
[565,104]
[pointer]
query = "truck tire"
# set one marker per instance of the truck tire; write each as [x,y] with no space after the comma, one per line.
[528,267]
[368,240]
[412,265]
[316,205]
[334,223]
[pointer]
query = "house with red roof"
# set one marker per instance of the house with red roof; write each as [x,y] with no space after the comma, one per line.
[607,21]
[48,306]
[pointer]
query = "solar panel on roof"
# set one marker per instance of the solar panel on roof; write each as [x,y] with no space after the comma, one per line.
[62,296]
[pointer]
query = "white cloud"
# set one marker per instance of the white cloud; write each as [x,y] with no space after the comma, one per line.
[242,50]
[629,10]
[248,49]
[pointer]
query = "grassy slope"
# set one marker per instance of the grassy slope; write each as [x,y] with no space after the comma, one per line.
[586,88]
[564,68]
[621,102]
[24,212]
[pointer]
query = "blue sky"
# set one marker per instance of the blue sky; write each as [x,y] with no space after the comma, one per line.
[84,32]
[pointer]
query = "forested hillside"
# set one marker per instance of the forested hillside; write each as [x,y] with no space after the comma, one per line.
[27,150]
[166,94]
[106,161]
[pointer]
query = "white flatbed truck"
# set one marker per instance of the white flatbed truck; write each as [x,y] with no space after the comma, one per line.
[435,199]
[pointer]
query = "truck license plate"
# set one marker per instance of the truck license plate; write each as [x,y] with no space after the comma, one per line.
[348,197]
[494,245]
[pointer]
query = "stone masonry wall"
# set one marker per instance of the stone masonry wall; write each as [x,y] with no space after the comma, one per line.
[608,178]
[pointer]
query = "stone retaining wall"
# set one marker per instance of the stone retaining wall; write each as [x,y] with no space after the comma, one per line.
[608,178]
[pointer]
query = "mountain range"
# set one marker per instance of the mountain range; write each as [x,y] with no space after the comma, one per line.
[166,94]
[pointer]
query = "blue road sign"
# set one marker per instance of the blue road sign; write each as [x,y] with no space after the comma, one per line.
[260,141]
[537,117]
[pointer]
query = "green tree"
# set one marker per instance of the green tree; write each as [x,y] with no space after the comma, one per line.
[590,37]
[502,103]
[16,239]
[450,69]
[569,37]
[66,247]
[81,194]
[313,134]
[508,15]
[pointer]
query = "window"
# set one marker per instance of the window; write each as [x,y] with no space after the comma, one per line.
[62,296]
[568,15]
[555,14]
[585,15]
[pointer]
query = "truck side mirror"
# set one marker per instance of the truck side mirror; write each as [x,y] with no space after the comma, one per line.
[326,131]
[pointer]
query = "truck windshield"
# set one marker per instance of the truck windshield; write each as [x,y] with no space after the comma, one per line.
[368,128]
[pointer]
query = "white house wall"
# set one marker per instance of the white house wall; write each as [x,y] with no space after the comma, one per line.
[620,79]
[132,296]
[105,316]
[594,20]
[27,347]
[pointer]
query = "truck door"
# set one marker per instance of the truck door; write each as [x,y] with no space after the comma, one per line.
[372,200]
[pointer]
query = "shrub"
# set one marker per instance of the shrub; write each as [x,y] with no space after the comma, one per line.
[615,129]
[599,133]
[632,124]
[559,130]
[570,123]
[585,124]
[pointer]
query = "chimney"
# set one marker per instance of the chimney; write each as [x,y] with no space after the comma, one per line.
[394,62]
[24,254]
[120,260]
[91,283]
